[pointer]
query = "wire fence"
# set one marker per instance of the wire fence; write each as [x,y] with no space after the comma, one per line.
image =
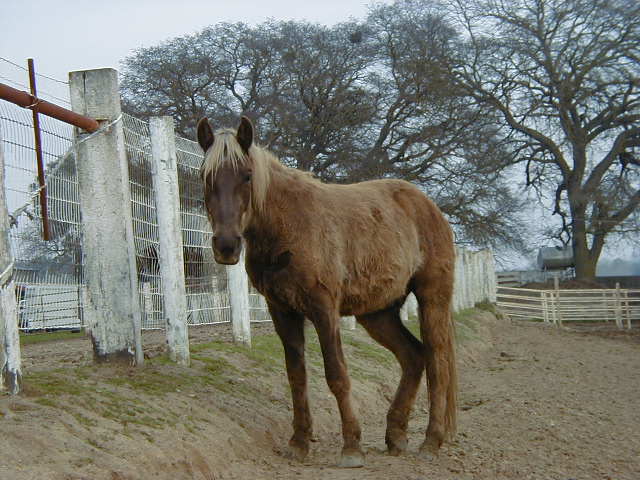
[48,274]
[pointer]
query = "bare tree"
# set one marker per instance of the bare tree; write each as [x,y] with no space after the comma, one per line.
[565,78]
[355,101]
[429,131]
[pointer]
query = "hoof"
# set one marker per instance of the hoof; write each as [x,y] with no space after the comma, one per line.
[429,450]
[351,459]
[397,446]
[297,453]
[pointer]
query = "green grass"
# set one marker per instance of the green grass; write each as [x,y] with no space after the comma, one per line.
[374,353]
[487,307]
[31,338]
[57,382]
[466,325]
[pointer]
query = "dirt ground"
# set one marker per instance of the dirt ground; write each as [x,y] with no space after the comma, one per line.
[535,403]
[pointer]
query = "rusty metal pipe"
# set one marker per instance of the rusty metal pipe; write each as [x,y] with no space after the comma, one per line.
[26,100]
[38,144]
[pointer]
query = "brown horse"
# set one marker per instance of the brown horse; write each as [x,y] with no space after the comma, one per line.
[320,251]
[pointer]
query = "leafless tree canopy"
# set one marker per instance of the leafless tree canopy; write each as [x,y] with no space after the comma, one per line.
[565,78]
[359,100]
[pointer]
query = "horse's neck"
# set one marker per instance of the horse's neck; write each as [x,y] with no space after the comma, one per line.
[264,231]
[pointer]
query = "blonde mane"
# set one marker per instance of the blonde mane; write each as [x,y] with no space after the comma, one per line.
[226,151]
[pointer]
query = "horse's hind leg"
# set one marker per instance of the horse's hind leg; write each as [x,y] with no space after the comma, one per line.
[290,328]
[436,328]
[387,329]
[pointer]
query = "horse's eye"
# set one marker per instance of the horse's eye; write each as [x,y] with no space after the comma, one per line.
[247,178]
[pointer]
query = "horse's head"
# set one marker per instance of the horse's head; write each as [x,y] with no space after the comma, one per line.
[227,173]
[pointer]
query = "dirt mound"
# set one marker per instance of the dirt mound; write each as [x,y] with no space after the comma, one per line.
[535,402]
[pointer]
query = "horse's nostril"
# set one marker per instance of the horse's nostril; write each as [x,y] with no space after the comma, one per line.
[226,245]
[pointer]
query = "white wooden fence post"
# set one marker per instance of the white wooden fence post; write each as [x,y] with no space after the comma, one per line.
[543,305]
[618,306]
[238,287]
[627,309]
[113,304]
[167,196]
[10,361]
[349,322]
[556,288]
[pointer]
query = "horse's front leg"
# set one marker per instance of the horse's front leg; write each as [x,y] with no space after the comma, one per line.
[290,328]
[335,368]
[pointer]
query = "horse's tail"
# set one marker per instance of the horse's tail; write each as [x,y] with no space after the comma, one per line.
[439,339]
[451,412]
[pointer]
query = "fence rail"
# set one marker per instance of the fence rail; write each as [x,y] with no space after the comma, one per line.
[621,306]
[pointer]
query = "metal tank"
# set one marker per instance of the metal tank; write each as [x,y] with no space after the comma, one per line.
[555,258]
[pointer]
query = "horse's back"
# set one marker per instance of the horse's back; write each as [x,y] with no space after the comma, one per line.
[389,230]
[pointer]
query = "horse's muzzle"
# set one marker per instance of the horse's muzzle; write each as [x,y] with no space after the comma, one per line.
[226,249]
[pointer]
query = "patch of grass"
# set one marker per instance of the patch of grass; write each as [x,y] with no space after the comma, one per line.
[466,327]
[221,375]
[372,352]
[466,317]
[487,307]
[151,380]
[83,419]
[47,402]
[413,326]
[56,382]
[31,338]
[267,351]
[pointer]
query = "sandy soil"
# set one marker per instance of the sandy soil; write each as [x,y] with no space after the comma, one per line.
[535,403]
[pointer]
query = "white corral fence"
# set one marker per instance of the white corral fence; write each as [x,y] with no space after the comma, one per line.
[475,282]
[618,305]
[475,278]
[516,278]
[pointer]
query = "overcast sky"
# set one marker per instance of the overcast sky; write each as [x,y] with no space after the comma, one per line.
[67,35]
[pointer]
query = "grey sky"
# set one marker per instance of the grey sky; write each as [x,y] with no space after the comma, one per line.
[66,35]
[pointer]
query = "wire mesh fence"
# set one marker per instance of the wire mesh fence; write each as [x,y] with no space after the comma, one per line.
[49,281]
[48,274]
[207,298]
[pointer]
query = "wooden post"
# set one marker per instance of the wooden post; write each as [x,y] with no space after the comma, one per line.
[113,305]
[167,196]
[10,361]
[552,307]
[543,304]
[404,313]
[349,322]
[238,287]
[556,287]
[627,308]
[618,306]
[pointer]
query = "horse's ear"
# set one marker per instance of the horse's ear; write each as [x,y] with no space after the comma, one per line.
[205,134]
[245,134]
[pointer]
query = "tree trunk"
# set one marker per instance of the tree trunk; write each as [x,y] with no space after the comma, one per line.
[585,260]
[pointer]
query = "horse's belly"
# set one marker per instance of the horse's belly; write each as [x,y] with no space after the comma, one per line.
[378,294]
